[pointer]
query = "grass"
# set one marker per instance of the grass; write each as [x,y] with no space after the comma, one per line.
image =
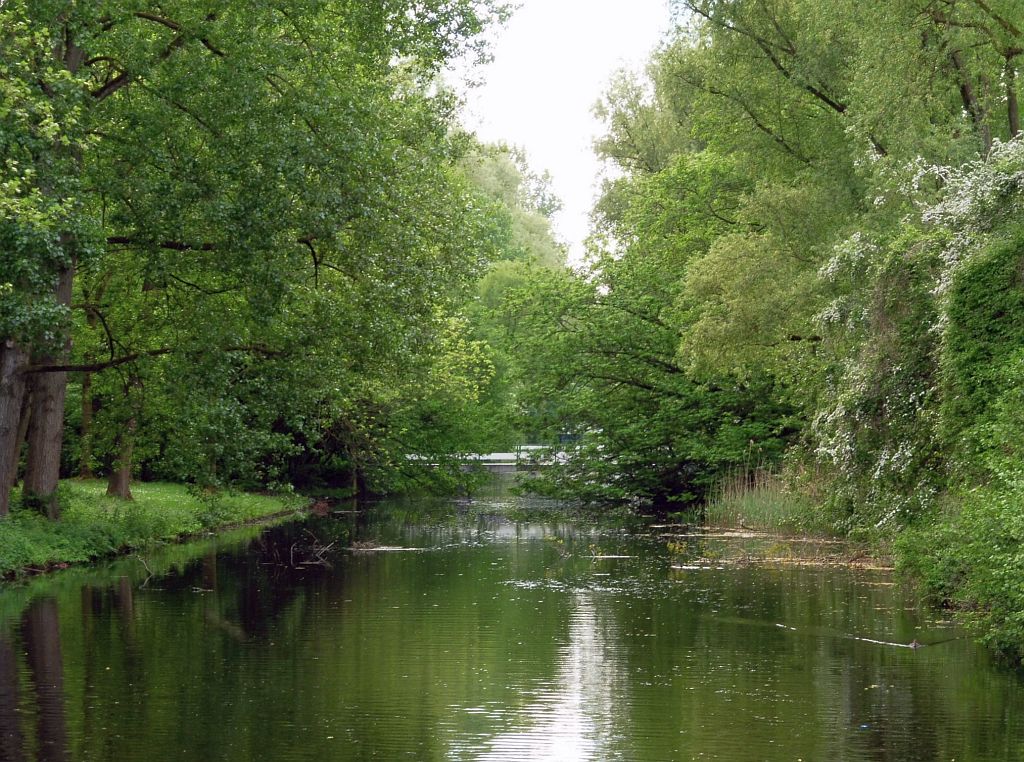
[763,501]
[94,525]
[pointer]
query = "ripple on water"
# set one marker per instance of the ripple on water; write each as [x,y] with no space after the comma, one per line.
[497,641]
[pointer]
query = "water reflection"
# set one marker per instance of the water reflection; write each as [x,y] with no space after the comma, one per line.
[572,720]
[41,633]
[495,640]
[11,742]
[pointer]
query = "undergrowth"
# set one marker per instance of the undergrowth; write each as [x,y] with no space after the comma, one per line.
[970,557]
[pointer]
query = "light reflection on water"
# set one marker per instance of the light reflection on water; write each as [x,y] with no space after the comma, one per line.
[495,640]
[570,721]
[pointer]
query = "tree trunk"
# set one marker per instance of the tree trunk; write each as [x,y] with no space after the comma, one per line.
[971,103]
[1012,104]
[12,393]
[119,483]
[46,428]
[85,448]
[26,418]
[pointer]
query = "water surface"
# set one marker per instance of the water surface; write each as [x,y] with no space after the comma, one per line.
[475,637]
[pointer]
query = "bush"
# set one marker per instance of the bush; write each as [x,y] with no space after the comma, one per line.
[974,560]
[981,358]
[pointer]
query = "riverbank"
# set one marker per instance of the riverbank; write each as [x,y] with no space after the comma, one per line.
[94,526]
[963,556]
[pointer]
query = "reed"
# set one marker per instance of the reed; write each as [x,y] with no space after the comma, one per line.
[763,500]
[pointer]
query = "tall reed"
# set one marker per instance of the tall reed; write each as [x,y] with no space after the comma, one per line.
[763,500]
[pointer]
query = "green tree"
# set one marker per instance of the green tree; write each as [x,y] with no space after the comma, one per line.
[601,352]
[228,147]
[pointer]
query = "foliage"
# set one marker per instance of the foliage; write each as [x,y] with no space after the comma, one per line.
[971,559]
[291,265]
[273,226]
[968,555]
[808,245]
[605,387]
[983,336]
[877,430]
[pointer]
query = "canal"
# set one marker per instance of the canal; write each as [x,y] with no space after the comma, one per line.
[495,629]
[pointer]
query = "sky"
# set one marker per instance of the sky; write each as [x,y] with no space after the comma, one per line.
[552,62]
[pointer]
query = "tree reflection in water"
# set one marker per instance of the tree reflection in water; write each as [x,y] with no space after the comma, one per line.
[12,745]
[41,632]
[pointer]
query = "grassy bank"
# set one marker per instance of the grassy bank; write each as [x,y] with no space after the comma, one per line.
[94,525]
[966,555]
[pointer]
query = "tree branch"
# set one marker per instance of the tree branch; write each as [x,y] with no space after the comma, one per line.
[93,309]
[778,139]
[184,109]
[1008,26]
[112,86]
[200,289]
[654,362]
[97,366]
[308,242]
[134,356]
[172,245]
[174,25]
[970,100]
[636,385]
[770,51]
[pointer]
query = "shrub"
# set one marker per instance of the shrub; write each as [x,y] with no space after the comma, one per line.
[973,560]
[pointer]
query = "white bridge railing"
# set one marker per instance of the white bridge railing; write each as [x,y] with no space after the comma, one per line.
[523,457]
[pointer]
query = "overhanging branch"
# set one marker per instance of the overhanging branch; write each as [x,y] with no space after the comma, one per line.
[134,356]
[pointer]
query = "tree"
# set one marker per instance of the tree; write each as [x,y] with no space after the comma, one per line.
[226,146]
[601,350]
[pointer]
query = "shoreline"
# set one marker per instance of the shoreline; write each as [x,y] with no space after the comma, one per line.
[96,528]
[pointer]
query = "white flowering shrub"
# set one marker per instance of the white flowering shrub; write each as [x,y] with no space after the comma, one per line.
[921,321]
[976,199]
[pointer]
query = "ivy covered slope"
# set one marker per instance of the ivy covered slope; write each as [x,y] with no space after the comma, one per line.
[967,548]
[810,261]
[242,244]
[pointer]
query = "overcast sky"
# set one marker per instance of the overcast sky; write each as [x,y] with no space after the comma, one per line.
[552,62]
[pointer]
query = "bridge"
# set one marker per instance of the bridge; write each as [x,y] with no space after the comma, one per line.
[523,458]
